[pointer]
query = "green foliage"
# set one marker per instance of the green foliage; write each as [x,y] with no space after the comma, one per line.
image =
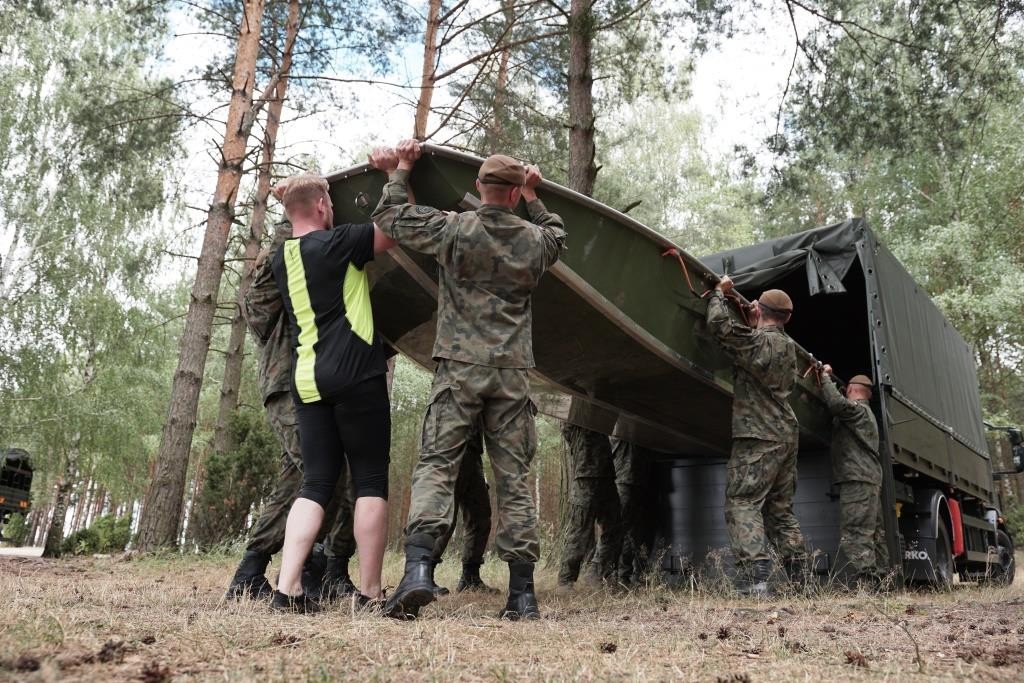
[365,37]
[528,116]
[657,168]
[108,534]
[16,530]
[911,118]
[236,481]
[87,132]
[1014,517]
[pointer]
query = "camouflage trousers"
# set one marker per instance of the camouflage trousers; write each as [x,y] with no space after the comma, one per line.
[592,500]
[463,396]
[862,531]
[633,559]
[473,503]
[267,533]
[759,490]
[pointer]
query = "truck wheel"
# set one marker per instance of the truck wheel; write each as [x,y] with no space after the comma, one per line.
[943,562]
[1002,572]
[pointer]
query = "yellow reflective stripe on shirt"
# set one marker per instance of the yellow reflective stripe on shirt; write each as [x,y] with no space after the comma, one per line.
[305,376]
[357,303]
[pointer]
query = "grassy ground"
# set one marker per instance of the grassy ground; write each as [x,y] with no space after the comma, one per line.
[162,619]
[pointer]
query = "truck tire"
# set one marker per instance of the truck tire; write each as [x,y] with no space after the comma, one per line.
[943,562]
[1005,567]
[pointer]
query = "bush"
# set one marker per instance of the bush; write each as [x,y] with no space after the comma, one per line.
[16,530]
[1014,516]
[236,481]
[108,534]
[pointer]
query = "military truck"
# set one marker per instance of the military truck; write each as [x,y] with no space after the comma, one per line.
[15,483]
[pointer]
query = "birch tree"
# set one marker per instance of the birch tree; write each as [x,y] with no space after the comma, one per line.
[83,147]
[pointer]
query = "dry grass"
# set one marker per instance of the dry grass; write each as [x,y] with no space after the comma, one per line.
[161,619]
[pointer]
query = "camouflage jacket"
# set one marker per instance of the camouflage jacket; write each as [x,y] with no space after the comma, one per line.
[491,261]
[263,313]
[854,438]
[764,373]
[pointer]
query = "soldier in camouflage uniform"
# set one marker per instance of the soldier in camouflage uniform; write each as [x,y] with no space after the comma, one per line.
[328,566]
[473,503]
[490,262]
[761,473]
[631,480]
[857,471]
[593,498]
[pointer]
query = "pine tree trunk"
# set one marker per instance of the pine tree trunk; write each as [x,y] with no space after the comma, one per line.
[55,533]
[429,69]
[501,86]
[582,169]
[222,441]
[158,526]
[39,517]
[81,504]
[99,502]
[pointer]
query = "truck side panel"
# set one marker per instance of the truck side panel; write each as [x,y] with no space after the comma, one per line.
[925,448]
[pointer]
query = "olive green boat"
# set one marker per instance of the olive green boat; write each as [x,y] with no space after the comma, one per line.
[618,322]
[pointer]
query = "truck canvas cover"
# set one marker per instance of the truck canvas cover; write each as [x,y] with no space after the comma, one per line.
[858,308]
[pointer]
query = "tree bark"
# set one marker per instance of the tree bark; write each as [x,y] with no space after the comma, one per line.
[582,169]
[55,533]
[497,135]
[99,502]
[82,502]
[222,441]
[429,69]
[161,510]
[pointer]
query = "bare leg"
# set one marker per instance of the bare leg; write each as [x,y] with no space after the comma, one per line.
[299,535]
[371,531]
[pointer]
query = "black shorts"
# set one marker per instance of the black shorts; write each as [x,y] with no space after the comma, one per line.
[356,426]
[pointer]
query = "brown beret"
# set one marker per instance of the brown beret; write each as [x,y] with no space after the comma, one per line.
[499,169]
[776,300]
[861,379]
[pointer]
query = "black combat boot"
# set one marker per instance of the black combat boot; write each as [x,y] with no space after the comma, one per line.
[366,605]
[301,604]
[471,581]
[314,571]
[439,591]
[337,583]
[416,588]
[755,584]
[796,572]
[522,603]
[249,580]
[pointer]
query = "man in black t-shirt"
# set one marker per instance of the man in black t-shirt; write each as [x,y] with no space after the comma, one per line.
[339,385]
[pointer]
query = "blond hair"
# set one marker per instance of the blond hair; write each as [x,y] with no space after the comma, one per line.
[303,190]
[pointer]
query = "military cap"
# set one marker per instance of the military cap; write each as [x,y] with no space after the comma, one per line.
[863,380]
[499,169]
[777,301]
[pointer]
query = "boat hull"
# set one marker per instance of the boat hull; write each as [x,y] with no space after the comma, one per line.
[618,325]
